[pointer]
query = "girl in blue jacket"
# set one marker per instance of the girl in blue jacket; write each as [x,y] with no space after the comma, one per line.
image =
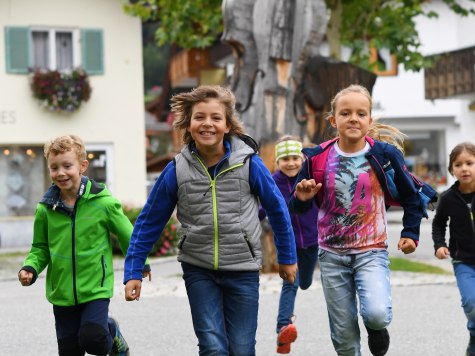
[352,232]
[216,183]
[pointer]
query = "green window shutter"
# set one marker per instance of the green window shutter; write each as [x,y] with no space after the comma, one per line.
[92,46]
[17,51]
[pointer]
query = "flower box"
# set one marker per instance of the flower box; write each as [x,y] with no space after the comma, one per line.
[61,92]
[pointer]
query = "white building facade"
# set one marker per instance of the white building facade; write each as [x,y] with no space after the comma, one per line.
[433,127]
[62,35]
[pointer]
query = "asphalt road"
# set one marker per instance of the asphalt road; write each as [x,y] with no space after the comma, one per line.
[428,319]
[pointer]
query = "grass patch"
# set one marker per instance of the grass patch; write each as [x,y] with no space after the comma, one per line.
[407,265]
[7,255]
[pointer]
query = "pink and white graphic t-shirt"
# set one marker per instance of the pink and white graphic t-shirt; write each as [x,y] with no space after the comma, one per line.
[352,215]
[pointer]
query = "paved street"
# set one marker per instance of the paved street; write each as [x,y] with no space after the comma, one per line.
[428,319]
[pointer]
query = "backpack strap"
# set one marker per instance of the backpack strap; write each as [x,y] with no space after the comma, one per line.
[317,165]
[427,195]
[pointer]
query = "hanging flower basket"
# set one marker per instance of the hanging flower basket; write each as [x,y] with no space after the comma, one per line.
[61,92]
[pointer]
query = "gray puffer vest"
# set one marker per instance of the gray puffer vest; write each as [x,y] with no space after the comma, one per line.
[220,227]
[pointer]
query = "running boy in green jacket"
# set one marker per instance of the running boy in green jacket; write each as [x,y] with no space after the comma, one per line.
[72,228]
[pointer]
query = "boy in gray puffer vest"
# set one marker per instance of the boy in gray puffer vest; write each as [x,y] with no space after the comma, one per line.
[216,183]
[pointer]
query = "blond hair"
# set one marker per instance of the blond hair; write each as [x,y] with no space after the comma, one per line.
[182,107]
[377,131]
[66,143]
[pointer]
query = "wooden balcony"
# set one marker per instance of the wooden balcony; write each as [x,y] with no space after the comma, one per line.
[452,76]
[185,67]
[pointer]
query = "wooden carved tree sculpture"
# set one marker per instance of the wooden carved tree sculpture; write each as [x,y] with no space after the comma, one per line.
[281,82]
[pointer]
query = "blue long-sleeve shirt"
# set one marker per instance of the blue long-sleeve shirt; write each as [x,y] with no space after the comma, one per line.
[164,197]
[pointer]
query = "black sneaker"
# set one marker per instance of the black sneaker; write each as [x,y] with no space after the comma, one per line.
[378,341]
[119,345]
[471,347]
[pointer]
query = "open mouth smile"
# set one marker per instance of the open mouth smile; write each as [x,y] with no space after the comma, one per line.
[207,133]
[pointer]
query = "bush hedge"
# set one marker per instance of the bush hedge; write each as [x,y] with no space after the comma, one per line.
[166,245]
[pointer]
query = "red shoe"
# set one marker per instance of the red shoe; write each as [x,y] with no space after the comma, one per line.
[286,336]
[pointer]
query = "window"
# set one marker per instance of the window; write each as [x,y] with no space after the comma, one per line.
[54,48]
[24,176]
[387,63]
[385,60]
[100,164]
[425,156]
[23,179]
[97,165]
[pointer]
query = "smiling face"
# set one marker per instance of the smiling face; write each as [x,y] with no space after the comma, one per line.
[352,118]
[290,165]
[208,125]
[65,170]
[463,168]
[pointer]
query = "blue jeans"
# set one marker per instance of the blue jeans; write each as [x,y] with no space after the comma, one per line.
[306,261]
[344,277]
[465,276]
[224,306]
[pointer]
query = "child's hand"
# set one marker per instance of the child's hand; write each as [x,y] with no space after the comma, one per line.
[442,253]
[306,189]
[288,272]
[132,290]
[406,245]
[25,277]
[146,274]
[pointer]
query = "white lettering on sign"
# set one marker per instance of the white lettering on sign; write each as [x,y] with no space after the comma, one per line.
[7,117]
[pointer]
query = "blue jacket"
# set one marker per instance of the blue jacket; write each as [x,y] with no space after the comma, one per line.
[164,197]
[383,157]
[304,225]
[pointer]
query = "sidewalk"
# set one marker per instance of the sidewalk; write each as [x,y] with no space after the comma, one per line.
[428,319]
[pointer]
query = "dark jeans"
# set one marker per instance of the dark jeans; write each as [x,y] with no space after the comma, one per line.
[306,261]
[224,306]
[84,328]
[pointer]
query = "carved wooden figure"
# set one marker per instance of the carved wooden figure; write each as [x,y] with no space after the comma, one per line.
[282,83]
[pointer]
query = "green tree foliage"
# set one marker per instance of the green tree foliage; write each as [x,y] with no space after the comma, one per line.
[358,24]
[155,65]
[383,24]
[189,24]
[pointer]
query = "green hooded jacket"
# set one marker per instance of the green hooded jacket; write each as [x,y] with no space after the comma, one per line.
[76,246]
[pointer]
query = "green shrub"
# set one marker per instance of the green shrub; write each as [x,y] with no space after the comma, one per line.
[166,245]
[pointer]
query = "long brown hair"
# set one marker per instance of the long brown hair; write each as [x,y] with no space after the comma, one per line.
[182,107]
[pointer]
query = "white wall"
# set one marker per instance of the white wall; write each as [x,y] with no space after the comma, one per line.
[113,116]
[401,97]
